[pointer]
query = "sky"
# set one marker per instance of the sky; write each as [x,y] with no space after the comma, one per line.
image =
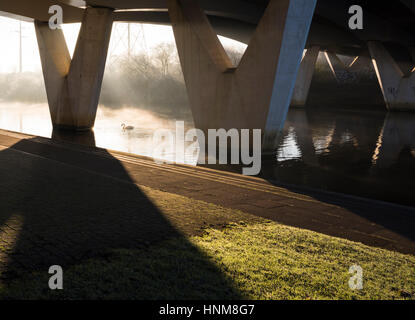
[142,37]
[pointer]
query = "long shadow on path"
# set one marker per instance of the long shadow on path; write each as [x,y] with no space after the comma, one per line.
[57,214]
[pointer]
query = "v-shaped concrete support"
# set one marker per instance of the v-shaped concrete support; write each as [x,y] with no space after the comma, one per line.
[73,87]
[398,89]
[257,93]
[343,73]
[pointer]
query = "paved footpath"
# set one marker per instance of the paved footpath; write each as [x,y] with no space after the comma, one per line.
[68,200]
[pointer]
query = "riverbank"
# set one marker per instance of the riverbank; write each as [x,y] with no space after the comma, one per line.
[122,226]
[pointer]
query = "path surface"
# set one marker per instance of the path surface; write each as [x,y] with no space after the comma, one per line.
[64,202]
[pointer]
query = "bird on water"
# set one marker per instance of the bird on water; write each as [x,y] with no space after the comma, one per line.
[127,128]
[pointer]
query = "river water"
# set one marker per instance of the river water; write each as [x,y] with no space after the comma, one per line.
[369,154]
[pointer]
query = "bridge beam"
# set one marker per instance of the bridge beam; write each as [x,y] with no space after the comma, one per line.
[305,75]
[397,88]
[257,93]
[73,87]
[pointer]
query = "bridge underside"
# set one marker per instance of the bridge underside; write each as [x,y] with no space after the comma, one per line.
[238,19]
[257,93]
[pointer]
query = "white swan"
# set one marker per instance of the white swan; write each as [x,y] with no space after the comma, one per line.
[127,128]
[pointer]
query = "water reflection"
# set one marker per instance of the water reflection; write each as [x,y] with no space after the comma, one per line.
[396,139]
[35,119]
[370,154]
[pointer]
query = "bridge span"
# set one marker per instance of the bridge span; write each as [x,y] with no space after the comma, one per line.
[273,73]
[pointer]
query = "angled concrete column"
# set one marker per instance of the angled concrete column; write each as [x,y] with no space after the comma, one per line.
[73,87]
[256,94]
[56,62]
[305,75]
[397,88]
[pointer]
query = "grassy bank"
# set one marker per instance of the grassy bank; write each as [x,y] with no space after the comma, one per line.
[254,261]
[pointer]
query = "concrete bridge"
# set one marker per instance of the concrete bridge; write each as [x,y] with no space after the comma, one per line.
[273,73]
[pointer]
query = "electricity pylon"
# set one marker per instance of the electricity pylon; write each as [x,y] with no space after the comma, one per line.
[128,39]
[19,31]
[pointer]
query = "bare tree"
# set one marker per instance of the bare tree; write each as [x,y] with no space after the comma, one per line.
[164,53]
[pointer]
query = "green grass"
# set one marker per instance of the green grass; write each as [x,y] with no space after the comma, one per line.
[252,261]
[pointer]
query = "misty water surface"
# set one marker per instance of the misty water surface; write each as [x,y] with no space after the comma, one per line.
[370,154]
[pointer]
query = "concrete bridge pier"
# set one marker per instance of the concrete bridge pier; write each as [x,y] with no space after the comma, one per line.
[257,93]
[73,86]
[305,75]
[397,87]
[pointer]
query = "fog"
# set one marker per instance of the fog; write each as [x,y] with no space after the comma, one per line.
[142,71]
[143,86]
